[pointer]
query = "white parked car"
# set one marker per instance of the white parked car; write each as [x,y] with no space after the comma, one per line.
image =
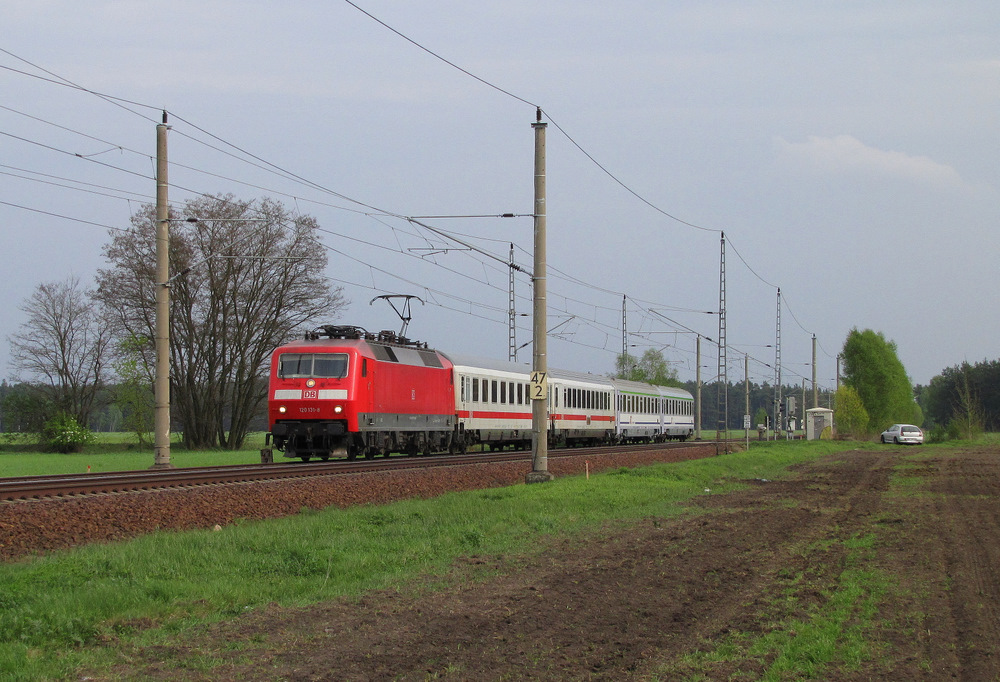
[903,433]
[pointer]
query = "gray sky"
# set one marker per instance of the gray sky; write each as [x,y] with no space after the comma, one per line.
[848,151]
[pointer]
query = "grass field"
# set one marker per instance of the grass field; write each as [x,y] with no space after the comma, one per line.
[59,612]
[118,452]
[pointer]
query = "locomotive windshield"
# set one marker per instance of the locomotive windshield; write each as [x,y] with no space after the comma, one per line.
[312,365]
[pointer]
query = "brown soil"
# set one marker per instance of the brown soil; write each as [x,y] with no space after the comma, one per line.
[35,527]
[637,603]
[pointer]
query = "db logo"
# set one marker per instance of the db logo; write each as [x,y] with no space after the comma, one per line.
[310,394]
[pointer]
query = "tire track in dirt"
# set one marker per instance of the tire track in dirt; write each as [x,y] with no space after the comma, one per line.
[965,504]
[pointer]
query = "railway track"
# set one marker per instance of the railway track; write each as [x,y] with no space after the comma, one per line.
[27,488]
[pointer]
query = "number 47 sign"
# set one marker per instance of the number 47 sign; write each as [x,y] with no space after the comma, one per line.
[539,386]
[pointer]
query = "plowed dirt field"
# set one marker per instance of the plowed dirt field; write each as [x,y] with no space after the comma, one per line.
[881,565]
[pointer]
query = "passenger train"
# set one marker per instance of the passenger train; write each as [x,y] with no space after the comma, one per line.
[345,392]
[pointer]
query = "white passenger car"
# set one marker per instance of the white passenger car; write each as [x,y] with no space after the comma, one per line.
[903,433]
[493,407]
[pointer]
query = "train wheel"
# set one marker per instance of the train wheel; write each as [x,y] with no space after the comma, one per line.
[304,458]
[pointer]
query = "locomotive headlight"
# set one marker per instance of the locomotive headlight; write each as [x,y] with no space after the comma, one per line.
[281,409]
[310,383]
[338,409]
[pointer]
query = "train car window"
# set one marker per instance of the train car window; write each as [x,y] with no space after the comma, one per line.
[520,394]
[304,365]
[503,392]
[364,367]
[493,393]
[294,365]
[475,390]
[333,366]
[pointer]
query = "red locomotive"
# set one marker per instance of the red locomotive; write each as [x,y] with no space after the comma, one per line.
[345,392]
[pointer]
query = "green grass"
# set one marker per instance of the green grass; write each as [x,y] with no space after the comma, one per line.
[837,631]
[118,452]
[56,610]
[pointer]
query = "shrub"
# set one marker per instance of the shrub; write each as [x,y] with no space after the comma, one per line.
[63,434]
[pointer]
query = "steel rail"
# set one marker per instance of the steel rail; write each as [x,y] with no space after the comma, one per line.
[73,485]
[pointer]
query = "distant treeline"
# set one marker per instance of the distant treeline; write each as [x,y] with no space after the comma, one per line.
[950,393]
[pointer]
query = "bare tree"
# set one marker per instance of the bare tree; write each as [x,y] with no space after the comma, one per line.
[244,278]
[63,347]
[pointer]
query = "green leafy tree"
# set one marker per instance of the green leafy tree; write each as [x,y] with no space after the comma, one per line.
[968,416]
[760,417]
[651,368]
[25,411]
[964,389]
[133,394]
[850,414]
[873,369]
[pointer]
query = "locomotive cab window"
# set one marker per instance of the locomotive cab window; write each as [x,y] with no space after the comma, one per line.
[312,365]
